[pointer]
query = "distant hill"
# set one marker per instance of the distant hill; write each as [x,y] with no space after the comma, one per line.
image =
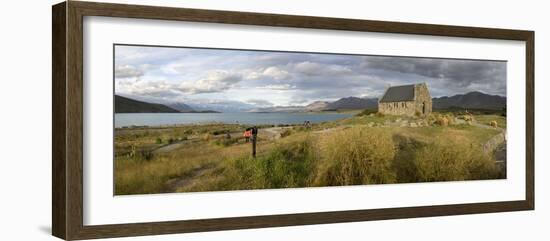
[471,100]
[181,107]
[353,103]
[205,111]
[127,105]
[278,109]
[349,103]
[317,106]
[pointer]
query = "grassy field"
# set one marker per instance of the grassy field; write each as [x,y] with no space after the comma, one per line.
[365,149]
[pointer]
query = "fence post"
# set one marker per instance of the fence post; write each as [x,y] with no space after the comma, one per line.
[254,137]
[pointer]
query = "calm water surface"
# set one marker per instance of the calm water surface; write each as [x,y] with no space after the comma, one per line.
[159,119]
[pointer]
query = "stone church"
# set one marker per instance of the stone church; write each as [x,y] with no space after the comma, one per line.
[406,100]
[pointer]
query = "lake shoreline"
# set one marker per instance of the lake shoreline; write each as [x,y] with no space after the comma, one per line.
[126,120]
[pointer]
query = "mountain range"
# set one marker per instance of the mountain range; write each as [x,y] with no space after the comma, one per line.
[127,105]
[353,103]
[471,100]
[181,107]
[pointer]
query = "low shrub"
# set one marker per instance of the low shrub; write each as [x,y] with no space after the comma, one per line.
[450,118]
[467,117]
[286,132]
[146,155]
[225,141]
[493,124]
[367,112]
[219,132]
[442,121]
[158,140]
[431,118]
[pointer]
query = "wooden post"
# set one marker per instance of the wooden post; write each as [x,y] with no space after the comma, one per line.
[254,137]
[253,146]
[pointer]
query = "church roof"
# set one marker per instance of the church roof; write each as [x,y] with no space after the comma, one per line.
[399,93]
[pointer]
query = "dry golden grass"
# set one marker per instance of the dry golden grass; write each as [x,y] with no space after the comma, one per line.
[136,175]
[453,160]
[442,121]
[353,154]
[357,155]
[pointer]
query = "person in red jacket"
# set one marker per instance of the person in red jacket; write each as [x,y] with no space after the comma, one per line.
[247,134]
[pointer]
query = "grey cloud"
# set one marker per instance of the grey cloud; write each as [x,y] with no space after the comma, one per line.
[272,73]
[127,71]
[259,102]
[314,68]
[460,73]
[216,81]
[303,77]
[278,87]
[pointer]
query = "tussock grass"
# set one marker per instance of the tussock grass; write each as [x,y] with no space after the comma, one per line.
[355,156]
[442,121]
[453,160]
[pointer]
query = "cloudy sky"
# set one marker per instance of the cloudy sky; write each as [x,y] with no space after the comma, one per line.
[261,78]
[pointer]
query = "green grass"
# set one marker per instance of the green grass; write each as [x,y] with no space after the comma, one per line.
[365,119]
[486,120]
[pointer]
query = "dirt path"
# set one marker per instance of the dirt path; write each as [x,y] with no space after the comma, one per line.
[272,133]
[189,179]
[173,146]
[328,130]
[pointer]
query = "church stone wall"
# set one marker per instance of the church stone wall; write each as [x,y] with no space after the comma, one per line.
[423,99]
[397,108]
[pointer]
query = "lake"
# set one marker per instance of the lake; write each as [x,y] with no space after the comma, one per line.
[159,119]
